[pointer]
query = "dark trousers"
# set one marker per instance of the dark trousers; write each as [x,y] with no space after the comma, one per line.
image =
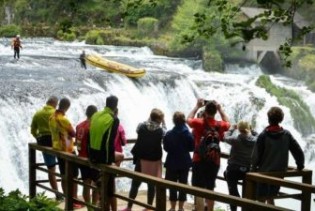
[16,52]
[180,176]
[83,64]
[135,184]
[233,174]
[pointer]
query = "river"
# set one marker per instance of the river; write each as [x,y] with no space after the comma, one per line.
[48,67]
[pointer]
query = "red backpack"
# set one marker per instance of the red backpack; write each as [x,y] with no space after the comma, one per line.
[209,148]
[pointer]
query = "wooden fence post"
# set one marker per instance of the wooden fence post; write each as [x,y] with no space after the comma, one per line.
[104,190]
[306,196]
[67,179]
[32,171]
[250,189]
[160,198]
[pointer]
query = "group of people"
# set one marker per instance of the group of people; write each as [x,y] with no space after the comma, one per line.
[100,137]
[250,151]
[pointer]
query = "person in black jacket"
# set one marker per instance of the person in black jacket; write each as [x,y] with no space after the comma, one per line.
[272,153]
[242,146]
[178,142]
[148,147]
[103,130]
[82,59]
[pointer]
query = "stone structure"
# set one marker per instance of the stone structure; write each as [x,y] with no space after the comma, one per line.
[266,51]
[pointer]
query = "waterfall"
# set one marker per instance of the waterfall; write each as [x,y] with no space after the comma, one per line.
[50,67]
[8,14]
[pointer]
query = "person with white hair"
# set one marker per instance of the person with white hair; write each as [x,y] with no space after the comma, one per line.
[16,45]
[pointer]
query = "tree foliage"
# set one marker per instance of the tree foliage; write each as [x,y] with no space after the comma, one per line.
[223,17]
[228,22]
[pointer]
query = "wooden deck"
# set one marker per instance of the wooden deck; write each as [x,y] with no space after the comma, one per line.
[142,196]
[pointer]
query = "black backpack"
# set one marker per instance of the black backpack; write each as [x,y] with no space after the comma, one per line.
[209,148]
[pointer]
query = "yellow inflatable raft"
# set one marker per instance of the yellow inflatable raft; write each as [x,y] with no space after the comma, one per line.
[115,67]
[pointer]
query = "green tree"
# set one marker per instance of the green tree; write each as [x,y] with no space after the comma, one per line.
[228,22]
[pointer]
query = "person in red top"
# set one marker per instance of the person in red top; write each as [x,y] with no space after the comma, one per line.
[204,174]
[81,139]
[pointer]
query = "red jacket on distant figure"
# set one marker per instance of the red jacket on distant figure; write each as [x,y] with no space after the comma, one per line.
[82,131]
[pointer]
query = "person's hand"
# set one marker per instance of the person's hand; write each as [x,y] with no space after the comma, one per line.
[218,105]
[200,103]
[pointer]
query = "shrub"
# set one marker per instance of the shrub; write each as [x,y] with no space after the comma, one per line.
[9,30]
[15,200]
[212,61]
[92,36]
[69,36]
[99,41]
[147,26]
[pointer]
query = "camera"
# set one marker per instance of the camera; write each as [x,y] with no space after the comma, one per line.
[205,102]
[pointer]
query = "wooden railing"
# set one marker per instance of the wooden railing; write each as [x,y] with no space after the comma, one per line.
[162,185]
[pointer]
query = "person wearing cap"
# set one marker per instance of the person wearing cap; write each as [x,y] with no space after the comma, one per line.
[272,153]
[242,146]
[16,45]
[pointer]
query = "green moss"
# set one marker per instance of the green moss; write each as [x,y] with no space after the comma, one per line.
[304,122]
[307,62]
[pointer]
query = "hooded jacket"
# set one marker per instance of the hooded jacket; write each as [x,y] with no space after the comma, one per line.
[178,142]
[272,150]
[149,142]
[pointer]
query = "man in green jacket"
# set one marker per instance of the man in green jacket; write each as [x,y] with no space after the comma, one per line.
[103,129]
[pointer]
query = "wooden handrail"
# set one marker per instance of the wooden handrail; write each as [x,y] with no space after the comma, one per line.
[252,178]
[162,185]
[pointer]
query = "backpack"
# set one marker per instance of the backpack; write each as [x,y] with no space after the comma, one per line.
[209,148]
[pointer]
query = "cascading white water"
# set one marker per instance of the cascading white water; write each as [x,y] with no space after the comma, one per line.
[48,67]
